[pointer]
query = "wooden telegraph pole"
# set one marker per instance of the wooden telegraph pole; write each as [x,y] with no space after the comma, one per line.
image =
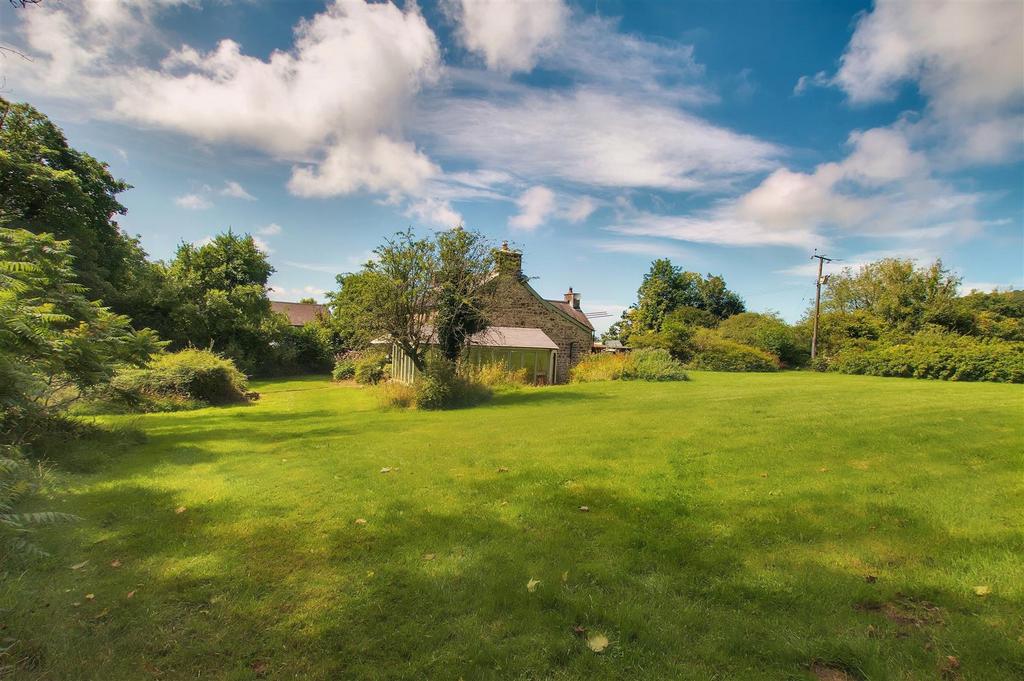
[817,302]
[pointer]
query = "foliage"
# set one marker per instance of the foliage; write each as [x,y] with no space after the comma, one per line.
[675,336]
[371,367]
[344,367]
[56,346]
[21,483]
[714,353]
[175,380]
[937,355]
[306,349]
[395,394]
[439,386]
[350,305]
[50,187]
[221,288]
[770,333]
[495,375]
[896,292]
[653,364]
[464,264]
[667,288]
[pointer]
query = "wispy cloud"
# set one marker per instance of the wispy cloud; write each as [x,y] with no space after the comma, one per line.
[234,190]
[192,202]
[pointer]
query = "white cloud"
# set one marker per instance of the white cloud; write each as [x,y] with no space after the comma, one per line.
[193,202]
[595,138]
[882,187]
[273,229]
[535,205]
[336,99]
[819,79]
[644,247]
[509,35]
[297,292]
[581,209]
[964,57]
[234,190]
[262,245]
[437,212]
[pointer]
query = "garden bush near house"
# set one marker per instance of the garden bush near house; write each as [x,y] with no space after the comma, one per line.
[441,387]
[495,375]
[178,380]
[714,353]
[344,367]
[935,355]
[367,367]
[395,394]
[647,364]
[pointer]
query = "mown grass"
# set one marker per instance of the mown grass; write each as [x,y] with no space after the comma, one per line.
[741,526]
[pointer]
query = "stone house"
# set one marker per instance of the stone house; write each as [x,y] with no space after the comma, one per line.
[545,337]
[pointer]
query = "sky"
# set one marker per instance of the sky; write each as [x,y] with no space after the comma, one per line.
[734,138]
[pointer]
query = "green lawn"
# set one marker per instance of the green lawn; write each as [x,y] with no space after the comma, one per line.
[739,527]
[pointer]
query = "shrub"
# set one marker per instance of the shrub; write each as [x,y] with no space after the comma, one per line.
[371,367]
[933,355]
[441,387]
[714,353]
[769,333]
[395,394]
[599,367]
[20,483]
[495,375]
[652,364]
[344,368]
[178,380]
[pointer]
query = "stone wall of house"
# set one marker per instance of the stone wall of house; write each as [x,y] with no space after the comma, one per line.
[515,305]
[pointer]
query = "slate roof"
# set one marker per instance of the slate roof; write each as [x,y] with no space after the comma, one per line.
[568,309]
[298,314]
[512,337]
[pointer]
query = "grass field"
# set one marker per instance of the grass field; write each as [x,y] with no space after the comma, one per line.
[786,526]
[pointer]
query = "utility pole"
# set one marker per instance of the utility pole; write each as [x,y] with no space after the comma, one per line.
[817,301]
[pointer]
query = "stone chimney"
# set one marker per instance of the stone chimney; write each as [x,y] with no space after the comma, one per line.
[573,299]
[508,261]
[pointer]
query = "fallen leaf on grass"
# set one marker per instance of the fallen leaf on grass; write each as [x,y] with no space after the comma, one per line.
[115,563]
[429,556]
[90,597]
[504,503]
[103,613]
[388,469]
[764,475]
[952,663]
[79,566]
[180,510]
[585,509]
[824,672]
[531,585]
[503,469]
[870,579]
[579,630]
[360,521]
[565,576]
[982,591]
[823,470]
[131,594]
[598,643]
[259,668]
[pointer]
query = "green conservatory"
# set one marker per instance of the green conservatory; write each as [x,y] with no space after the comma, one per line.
[518,348]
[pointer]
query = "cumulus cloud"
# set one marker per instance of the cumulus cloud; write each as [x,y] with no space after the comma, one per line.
[193,202]
[964,57]
[273,229]
[882,187]
[580,209]
[436,212]
[333,103]
[510,36]
[234,190]
[535,205]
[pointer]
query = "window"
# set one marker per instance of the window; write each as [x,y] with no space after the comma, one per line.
[573,353]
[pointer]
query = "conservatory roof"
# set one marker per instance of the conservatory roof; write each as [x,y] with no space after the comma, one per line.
[512,337]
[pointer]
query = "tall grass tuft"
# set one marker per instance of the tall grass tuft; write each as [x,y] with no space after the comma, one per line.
[640,365]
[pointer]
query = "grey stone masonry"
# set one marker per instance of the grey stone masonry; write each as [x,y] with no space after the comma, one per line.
[515,303]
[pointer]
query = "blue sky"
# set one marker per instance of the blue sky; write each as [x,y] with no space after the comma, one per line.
[732,137]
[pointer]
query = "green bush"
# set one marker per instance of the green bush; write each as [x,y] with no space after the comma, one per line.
[714,353]
[495,375]
[21,483]
[933,355]
[344,368]
[178,380]
[767,332]
[653,365]
[371,367]
[441,387]
[647,364]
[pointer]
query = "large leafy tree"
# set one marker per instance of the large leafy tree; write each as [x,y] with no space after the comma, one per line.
[48,186]
[666,289]
[220,291]
[418,291]
[56,345]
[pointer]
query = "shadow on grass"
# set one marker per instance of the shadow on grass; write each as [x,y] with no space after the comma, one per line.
[683,589]
[544,397]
